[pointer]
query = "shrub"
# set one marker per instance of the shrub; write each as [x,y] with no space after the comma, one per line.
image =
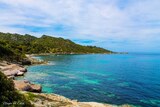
[9,96]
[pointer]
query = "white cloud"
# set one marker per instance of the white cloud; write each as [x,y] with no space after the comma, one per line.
[138,22]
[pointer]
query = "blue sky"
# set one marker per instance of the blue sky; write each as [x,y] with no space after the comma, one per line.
[118,25]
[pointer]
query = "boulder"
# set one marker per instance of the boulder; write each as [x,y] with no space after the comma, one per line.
[36,88]
[21,85]
[23,69]
[20,73]
[27,86]
[10,72]
[26,62]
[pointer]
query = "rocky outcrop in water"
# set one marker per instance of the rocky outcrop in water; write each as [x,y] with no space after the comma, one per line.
[12,70]
[35,61]
[27,86]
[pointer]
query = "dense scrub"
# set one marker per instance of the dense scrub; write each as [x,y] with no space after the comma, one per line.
[9,96]
[22,44]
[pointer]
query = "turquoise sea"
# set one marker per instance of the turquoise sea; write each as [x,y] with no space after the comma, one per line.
[115,78]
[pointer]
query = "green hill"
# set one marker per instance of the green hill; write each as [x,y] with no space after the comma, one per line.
[19,45]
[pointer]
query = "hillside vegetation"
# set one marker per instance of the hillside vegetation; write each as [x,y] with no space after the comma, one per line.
[16,46]
[9,96]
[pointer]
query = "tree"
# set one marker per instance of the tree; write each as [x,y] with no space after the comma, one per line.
[9,96]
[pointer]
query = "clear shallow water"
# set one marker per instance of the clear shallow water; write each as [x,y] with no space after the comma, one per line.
[115,79]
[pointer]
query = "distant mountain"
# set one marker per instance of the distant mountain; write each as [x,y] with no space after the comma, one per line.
[20,45]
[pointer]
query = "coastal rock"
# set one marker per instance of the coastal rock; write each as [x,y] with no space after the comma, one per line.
[13,69]
[27,86]
[10,72]
[11,77]
[54,100]
[36,88]
[23,70]
[26,62]
[34,60]
[21,85]
[20,73]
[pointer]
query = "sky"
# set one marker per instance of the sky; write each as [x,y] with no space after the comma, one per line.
[118,25]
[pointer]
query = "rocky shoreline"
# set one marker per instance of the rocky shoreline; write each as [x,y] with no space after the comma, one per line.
[54,100]
[12,70]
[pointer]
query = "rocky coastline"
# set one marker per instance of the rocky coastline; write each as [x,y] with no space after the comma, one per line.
[38,99]
[12,70]
[54,100]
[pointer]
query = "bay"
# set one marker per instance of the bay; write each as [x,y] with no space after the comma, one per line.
[116,78]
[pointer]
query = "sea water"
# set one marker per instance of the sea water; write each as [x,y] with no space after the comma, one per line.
[114,78]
